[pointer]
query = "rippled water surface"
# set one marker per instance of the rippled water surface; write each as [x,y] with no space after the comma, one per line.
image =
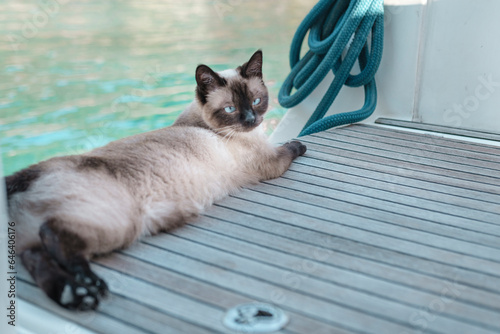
[78,74]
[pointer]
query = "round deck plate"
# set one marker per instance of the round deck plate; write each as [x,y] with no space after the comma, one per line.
[255,318]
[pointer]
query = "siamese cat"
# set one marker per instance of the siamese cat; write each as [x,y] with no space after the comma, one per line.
[68,209]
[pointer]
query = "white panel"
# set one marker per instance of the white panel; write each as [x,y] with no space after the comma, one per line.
[35,320]
[460,65]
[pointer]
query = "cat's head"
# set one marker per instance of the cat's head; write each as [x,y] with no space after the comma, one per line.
[232,99]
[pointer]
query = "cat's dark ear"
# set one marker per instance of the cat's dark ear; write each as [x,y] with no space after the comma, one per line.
[207,81]
[207,78]
[253,68]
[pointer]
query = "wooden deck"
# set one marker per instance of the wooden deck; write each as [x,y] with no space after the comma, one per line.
[374,230]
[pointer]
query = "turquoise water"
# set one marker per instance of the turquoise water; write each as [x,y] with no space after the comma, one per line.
[78,74]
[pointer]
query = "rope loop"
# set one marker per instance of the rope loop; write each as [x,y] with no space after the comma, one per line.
[336,27]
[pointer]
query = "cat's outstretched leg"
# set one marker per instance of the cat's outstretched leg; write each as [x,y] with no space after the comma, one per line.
[60,267]
[279,161]
[296,148]
[58,284]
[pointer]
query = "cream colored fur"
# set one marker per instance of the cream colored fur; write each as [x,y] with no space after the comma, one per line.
[173,185]
[159,179]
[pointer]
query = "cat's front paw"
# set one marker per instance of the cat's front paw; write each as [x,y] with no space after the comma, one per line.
[296,147]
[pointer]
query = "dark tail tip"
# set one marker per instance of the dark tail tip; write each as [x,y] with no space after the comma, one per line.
[21,180]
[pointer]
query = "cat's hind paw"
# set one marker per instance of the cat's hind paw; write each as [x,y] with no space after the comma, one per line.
[74,296]
[94,283]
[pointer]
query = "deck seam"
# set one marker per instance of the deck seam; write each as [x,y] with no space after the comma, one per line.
[414,170]
[139,301]
[356,255]
[316,297]
[324,220]
[337,138]
[322,320]
[301,163]
[467,302]
[360,129]
[495,181]
[387,168]
[370,231]
[102,313]
[365,136]
[460,140]
[393,212]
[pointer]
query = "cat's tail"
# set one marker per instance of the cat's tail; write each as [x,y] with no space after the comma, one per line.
[21,180]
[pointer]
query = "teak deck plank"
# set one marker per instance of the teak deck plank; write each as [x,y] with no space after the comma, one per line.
[427,143]
[330,153]
[440,128]
[364,257]
[368,292]
[374,230]
[466,158]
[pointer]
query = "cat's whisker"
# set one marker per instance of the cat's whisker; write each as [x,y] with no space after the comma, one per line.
[227,135]
[224,133]
[223,128]
[232,133]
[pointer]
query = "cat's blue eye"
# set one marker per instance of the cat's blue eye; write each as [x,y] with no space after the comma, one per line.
[256,101]
[229,109]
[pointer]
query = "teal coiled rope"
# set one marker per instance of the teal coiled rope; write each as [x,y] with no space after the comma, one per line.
[332,25]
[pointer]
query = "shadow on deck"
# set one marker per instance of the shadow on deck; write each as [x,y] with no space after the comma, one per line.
[374,230]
